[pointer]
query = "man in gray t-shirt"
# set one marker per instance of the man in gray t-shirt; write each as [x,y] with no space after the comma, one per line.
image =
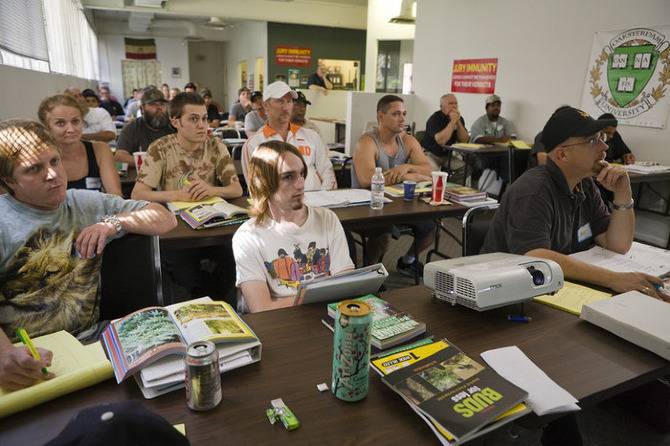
[491,127]
[256,118]
[51,245]
[240,108]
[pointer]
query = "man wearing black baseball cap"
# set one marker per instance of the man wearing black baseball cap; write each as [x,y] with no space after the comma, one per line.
[555,210]
[299,112]
[154,123]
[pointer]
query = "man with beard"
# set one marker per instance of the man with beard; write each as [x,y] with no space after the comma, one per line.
[137,135]
[491,127]
[278,103]
[51,246]
[266,275]
[555,210]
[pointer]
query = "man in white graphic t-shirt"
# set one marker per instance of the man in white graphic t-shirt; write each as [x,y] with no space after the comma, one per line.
[286,242]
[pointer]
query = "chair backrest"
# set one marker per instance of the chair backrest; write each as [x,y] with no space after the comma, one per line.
[227,132]
[476,222]
[130,276]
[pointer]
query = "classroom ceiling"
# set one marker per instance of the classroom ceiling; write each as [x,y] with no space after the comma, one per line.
[211,19]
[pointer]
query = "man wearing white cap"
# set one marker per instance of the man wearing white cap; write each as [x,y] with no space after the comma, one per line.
[278,104]
[491,127]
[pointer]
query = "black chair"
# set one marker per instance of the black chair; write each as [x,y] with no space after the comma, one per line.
[130,276]
[476,222]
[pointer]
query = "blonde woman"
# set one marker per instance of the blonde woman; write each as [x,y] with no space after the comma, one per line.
[88,164]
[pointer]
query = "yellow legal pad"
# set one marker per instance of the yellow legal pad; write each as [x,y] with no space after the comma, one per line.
[76,366]
[572,296]
[520,144]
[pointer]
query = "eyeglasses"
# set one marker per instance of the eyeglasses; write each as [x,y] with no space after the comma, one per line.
[593,141]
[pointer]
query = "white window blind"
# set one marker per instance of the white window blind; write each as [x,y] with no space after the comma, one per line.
[72,43]
[23,41]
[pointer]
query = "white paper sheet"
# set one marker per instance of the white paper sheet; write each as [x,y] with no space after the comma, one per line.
[640,258]
[544,395]
[338,198]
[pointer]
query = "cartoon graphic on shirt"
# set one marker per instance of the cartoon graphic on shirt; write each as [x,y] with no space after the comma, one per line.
[45,287]
[290,271]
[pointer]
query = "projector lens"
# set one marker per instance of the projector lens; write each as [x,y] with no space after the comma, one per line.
[537,275]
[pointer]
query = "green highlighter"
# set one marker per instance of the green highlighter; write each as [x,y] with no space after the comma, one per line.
[23,335]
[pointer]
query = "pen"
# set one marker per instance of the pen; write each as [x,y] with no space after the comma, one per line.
[519,318]
[23,335]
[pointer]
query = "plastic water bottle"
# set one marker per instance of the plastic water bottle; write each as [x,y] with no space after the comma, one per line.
[377,189]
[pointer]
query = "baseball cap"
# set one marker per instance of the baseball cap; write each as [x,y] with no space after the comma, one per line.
[126,422]
[302,98]
[278,90]
[491,99]
[152,95]
[567,122]
[190,85]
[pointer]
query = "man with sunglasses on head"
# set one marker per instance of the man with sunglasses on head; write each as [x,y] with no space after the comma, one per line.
[555,210]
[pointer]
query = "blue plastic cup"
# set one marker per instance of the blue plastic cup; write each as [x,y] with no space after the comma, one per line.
[408,188]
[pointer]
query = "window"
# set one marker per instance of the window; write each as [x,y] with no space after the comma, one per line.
[22,39]
[72,43]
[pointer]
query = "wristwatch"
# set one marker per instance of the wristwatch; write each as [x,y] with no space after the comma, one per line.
[114,221]
[623,207]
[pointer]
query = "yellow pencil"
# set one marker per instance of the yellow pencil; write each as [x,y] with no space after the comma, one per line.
[23,335]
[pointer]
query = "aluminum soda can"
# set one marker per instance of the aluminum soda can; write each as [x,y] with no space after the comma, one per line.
[351,350]
[203,379]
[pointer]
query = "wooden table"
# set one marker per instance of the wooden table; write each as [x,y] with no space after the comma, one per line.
[589,362]
[355,217]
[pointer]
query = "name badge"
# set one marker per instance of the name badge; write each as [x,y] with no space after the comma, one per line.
[584,233]
[93,183]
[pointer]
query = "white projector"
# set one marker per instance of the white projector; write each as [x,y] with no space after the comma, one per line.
[489,281]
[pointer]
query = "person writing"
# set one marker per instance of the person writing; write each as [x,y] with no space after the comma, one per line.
[51,247]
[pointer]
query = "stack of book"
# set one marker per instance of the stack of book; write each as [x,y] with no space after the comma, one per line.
[151,343]
[390,327]
[467,196]
[456,396]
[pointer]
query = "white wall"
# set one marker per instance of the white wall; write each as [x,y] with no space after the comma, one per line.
[248,41]
[170,52]
[379,28]
[543,49]
[23,90]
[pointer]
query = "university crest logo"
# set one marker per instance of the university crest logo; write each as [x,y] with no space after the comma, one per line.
[631,73]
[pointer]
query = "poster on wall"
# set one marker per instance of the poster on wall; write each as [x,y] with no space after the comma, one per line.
[629,75]
[474,76]
[293,56]
[293,78]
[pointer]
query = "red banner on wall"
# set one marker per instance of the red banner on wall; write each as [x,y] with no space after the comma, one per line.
[474,76]
[293,56]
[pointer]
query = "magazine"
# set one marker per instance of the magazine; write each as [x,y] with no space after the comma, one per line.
[140,339]
[177,206]
[459,398]
[210,215]
[390,327]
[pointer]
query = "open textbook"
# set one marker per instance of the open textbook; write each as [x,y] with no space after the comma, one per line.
[220,213]
[640,258]
[456,396]
[74,365]
[153,341]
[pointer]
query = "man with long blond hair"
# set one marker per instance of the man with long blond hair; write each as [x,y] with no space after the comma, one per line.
[271,249]
[51,246]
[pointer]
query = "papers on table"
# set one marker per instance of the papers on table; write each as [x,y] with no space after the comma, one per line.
[646,167]
[572,297]
[544,395]
[640,258]
[468,146]
[234,141]
[338,198]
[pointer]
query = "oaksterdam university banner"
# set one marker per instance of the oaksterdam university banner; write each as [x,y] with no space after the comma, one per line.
[629,76]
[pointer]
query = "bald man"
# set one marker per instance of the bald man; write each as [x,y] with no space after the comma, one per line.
[445,127]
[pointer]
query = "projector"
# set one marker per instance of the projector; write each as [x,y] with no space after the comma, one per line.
[494,280]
